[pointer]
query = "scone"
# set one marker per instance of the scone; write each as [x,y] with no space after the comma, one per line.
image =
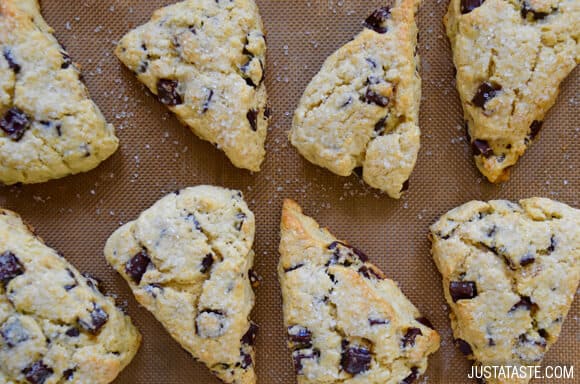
[362,108]
[511,57]
[346,321]
[510,272]
[205,60]
[49,127]
[55,325]
[188,259]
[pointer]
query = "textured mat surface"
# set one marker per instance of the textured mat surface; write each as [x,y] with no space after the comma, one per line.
[158,155]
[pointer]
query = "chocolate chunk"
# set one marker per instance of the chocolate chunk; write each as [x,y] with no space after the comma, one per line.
[98,319]
[525,339]
[268,112]
[355,359]
[371,62]
[369,273]
[68,374]
[380,126]
[462,290]
[73,332]
[74,284]
[206,263]
[10,267]
[137,266]
[464,347]
[406,186]
[191,217]
[299,356]
[378,19]
[412,376]
[240,218]
[143,67]
[14,66]
[543,333]
[535,128]
[210,323]
[528,10]
[252,116]
[13,332]
[527,260]
[373,322]
[341,248]
[469,5]
[37,373]
[425,321]
[250,337]
[93,282]
[207,101]
[15,123]
[66,60]
[371,97]
[293,268]
[246,360]
[553,244]
[526,304]
[167,92]
[410,335]
[300,336]
[486,92]
[481,148]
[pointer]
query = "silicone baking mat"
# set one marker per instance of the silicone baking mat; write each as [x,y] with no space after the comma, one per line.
[158,155]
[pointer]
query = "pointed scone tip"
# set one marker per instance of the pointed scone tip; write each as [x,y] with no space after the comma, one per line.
[510,272]
[188,260]
[50,128]
[345,320]
[56,324]
[511,58]
[362,109]
[205,61]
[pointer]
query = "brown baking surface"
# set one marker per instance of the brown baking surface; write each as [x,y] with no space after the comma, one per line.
[158,155]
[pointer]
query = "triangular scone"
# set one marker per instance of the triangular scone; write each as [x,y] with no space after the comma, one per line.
[49,127]
[205,60]
[55,324]
[511,57]
[188,259]
[510,272]
[346,321]
[362,108]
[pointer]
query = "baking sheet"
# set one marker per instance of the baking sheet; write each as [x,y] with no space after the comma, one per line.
[158,155]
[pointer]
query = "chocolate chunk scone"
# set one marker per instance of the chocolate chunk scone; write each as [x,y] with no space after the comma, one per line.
[55,325]
[205,60]
[188,259]
[510,272]
[49,127]
[346,321]
[510,56]
[362,108]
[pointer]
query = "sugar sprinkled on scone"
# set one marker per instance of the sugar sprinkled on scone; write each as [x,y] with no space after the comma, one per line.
[510,272]
[362,108]
[346,321]
[188,260]
[205,60]
[511,57]
[49,127]
[55,324]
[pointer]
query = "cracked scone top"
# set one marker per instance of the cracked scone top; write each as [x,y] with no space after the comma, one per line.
[510,272]
[205,60]
[346,322]
[362,108]
[187,260]
[49,127]
[55,325]
[511,57]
